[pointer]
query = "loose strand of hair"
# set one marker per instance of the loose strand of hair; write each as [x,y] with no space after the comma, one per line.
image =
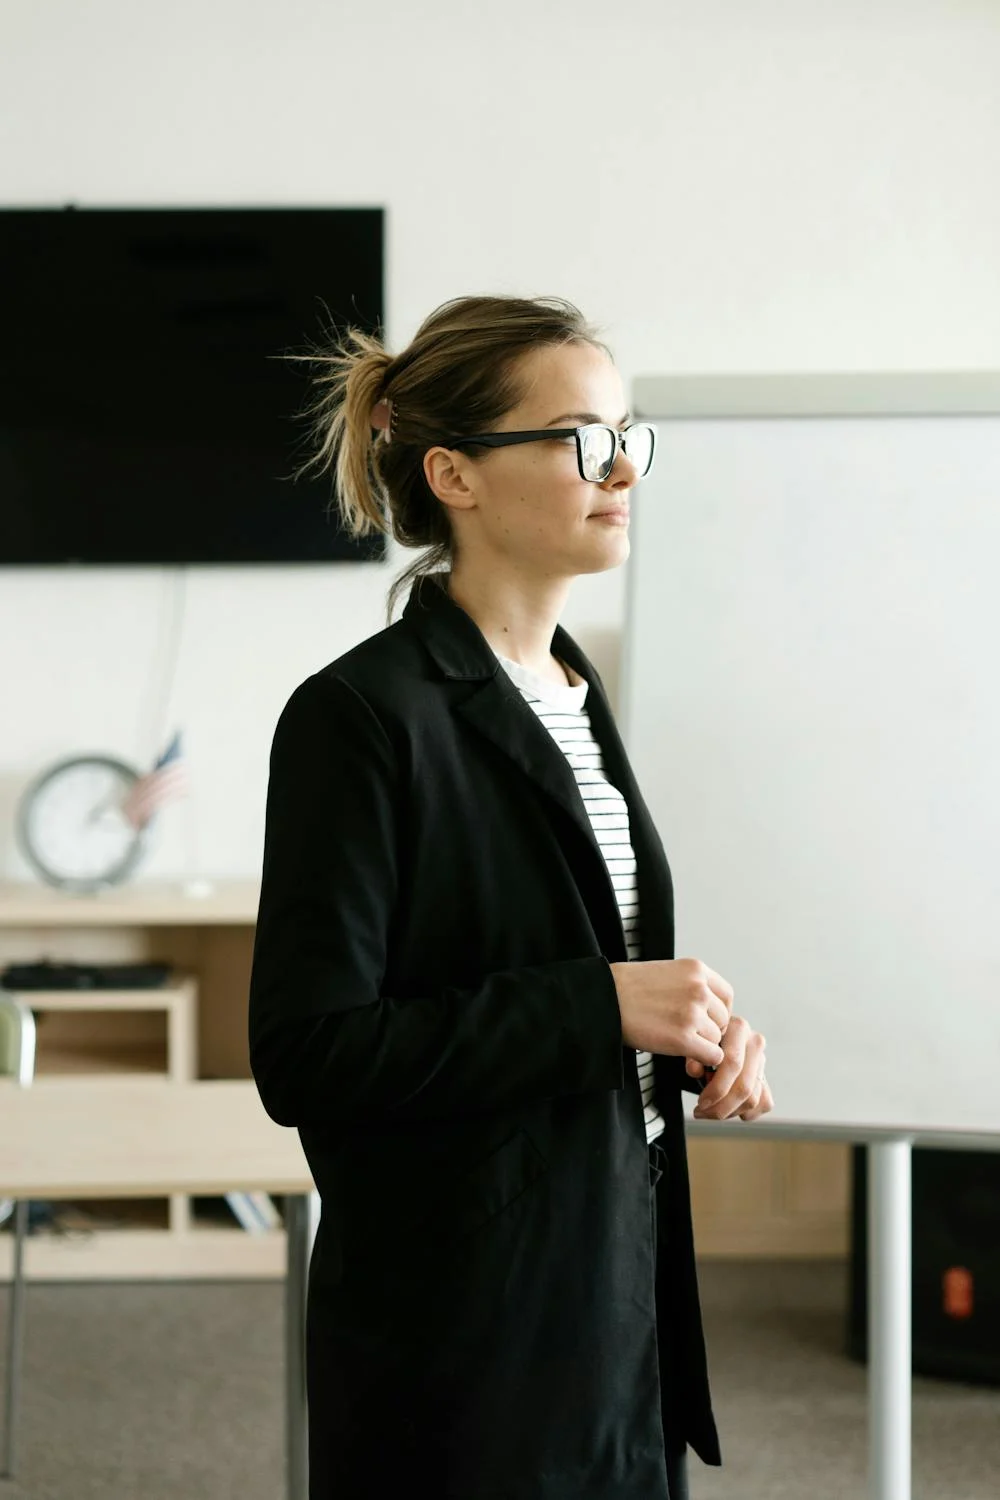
[347,381]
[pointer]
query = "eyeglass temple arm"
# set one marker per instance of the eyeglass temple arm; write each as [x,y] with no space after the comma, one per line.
[505,439]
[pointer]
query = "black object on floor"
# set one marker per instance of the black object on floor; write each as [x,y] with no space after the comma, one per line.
[956,1255]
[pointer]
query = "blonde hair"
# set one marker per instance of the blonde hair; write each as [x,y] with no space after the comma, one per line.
[458,376]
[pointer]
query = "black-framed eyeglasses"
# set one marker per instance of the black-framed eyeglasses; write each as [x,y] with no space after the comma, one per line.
[596,445]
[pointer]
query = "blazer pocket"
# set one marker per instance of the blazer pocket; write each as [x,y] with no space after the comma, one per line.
[489,1187]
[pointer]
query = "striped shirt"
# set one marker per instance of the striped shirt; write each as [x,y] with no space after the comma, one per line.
[561,709]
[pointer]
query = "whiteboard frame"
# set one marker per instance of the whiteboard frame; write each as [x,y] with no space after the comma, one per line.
[913,393]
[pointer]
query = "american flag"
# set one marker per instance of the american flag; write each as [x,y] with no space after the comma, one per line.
[167,779]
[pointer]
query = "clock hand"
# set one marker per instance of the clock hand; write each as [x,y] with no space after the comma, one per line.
[101,808]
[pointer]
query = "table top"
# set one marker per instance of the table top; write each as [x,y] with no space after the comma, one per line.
[61,1139]
[65,1139]
[778,1126]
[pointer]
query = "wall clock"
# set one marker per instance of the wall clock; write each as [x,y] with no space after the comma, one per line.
[72,826]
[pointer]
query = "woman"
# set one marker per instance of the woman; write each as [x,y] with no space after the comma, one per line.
[451,998]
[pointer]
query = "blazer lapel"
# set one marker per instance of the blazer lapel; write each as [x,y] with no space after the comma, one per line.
[496,710]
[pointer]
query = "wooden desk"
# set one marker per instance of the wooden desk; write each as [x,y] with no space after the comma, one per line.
[66,1140]
[63,1140]
[209,939]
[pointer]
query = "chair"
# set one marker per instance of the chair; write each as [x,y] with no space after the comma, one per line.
[17,1061]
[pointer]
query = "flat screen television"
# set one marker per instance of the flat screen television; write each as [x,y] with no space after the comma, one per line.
[143,416]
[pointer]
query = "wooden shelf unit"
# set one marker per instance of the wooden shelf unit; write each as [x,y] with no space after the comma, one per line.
[74,1039]
[193,1027]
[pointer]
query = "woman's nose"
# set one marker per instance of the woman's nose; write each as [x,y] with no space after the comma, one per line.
[623,474]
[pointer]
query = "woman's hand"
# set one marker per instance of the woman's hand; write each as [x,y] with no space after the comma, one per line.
[676,1006]
[739,1086]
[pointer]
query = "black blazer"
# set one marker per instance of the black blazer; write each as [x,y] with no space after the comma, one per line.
[432,1006]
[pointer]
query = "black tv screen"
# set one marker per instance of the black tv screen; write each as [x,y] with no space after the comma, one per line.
[143,415]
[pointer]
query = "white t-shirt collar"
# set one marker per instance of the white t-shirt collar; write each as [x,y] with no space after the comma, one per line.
[569,697]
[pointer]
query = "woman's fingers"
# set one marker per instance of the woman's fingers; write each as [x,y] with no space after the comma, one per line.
[762,1104]
[738,1079]
[719,1012]
[720,987]
[738,1087]
[723,1096]
[710,1054]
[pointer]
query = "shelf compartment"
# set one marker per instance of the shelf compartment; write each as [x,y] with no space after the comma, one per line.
[115,1032]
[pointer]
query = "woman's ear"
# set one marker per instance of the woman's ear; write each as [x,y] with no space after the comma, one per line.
[447,474]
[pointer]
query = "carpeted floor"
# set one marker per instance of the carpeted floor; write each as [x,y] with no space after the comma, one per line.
[173,1392]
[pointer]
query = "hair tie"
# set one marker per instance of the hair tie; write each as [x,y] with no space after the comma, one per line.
[381,416]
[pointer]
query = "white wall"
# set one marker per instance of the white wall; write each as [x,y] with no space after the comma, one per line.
[727,185]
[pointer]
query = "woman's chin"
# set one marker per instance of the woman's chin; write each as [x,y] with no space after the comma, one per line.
[613,551]
[615,544]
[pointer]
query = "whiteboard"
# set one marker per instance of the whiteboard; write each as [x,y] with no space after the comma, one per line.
[811,704]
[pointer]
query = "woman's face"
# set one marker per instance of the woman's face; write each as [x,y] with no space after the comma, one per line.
[525,506]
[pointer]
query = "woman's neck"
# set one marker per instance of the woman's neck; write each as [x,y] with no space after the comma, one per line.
[518,616]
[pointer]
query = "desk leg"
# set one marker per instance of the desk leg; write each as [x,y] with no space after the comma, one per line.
[300,1234]
[15,1341]
[890,1360]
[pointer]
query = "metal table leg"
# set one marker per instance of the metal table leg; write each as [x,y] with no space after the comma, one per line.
[300,1230]
[890,1330]
[15,1342]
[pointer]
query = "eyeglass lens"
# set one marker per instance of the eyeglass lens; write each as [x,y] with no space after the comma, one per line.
[598,447]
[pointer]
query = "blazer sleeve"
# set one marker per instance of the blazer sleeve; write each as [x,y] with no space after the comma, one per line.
[327,1046]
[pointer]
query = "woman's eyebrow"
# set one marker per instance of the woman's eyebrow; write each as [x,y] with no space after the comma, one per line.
[587,416]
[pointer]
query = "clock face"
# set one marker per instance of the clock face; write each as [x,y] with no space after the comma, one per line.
[71,825]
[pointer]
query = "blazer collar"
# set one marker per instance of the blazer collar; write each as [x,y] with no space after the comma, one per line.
[456,642]
[498,711]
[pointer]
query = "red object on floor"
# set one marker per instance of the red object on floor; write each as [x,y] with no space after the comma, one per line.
[957,1287]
